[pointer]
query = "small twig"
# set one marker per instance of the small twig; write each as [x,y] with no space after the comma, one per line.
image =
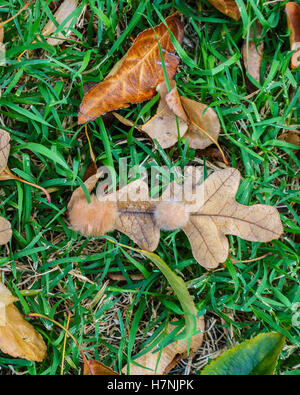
[250,260]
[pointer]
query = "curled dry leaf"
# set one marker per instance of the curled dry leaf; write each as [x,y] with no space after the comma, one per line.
[197,122]
[206,213]
[135,77]
[227,7]
[65,9]
[253,54]
[293,18]
[161,363]
[18,338]
[204,125]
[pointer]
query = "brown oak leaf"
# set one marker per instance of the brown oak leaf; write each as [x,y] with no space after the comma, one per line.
[206,212]
[18,338]
[136,76]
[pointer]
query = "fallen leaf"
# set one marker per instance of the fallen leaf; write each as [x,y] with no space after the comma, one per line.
[227,7]
[65,9]
[135,78]
[1,34]
[204,125]
[253,54]
[4,150]
[96,368]
[291,136]
[5,173]
[170,356]
[220,215]
[18,338]
[293,18]
[197,122]
[206,212]
[163,126]
[5,231]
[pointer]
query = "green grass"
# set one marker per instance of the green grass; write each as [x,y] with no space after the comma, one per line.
[57,270]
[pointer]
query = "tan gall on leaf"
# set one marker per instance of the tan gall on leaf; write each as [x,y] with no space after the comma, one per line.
[227,7]
[18,338]
[293,18]
[135,78]
[161,363]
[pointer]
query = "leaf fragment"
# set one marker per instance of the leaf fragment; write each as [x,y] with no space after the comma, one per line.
[135,78]
[253,54]
[293,18]
[5,231]
[65,9]
[227,7]
[18,338]
[96,368]
[161,363]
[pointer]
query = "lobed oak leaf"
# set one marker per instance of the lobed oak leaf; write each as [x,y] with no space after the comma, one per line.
[293,18]
[18,338]
[206,212]
[220,215]
[161,363]
[227,7]
[136,76]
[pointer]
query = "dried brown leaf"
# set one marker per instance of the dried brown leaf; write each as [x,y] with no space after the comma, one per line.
[291,136]
[65,9]
[170,355]
[293,18]
[220,215]
[5,231]
[227,7]
[206,212]
[4,149]
[96,368]
[204,125]
[18,338]
[135,78]
[163,126]
[253,54]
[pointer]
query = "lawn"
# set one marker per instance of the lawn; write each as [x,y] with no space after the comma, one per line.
[54,270]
